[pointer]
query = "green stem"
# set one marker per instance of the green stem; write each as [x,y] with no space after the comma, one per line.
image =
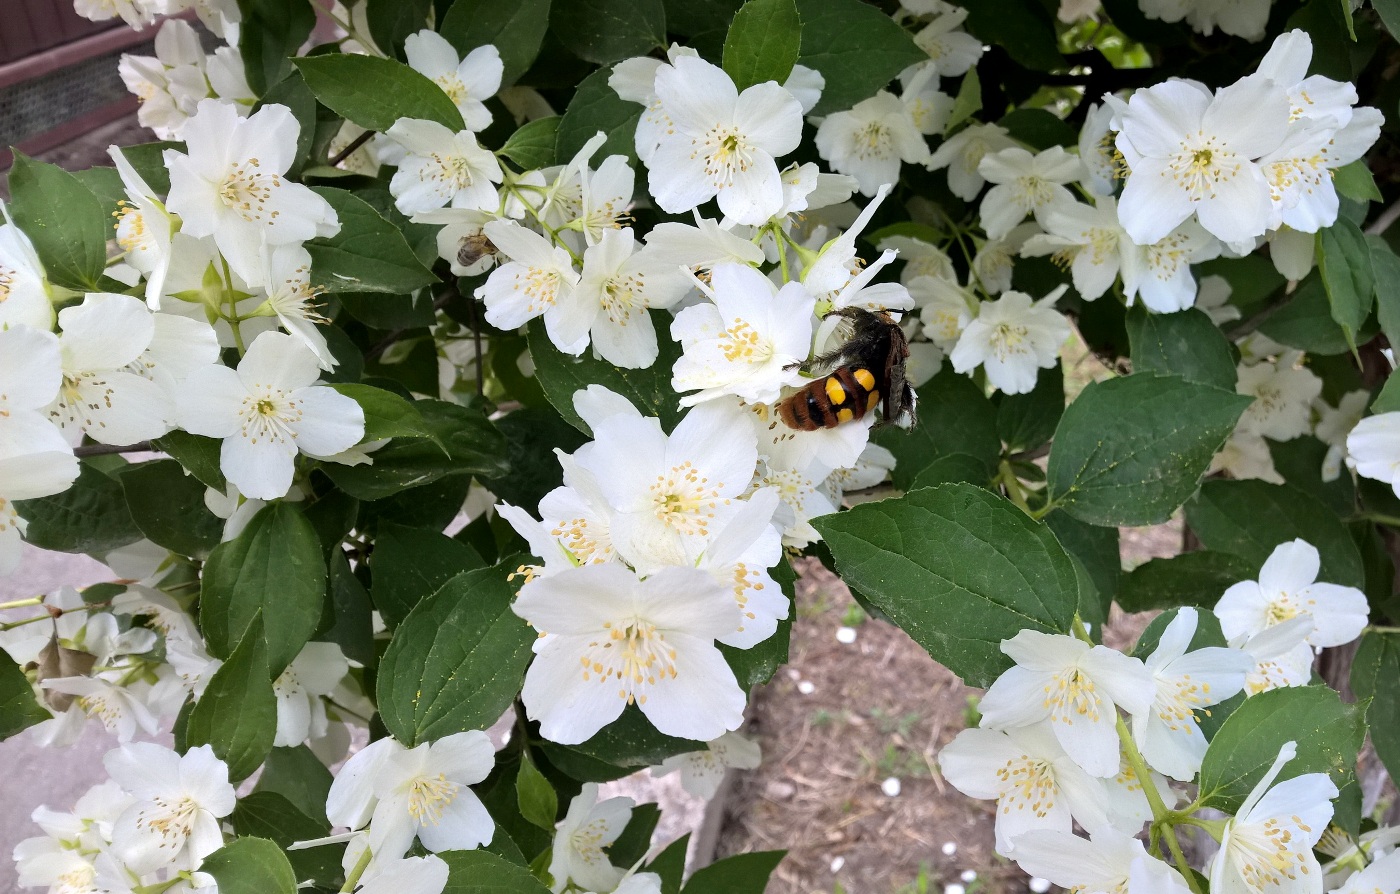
[539,219]
[22,603]
[1014,491]
[1380,518]
[11,625]
[1162,817]
[360,866]
[233,321]
[1376,628]
[781,240]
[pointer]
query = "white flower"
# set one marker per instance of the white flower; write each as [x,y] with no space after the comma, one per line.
[588,828]
[292,297]
[442,168]
[738,554]
[930,106]
[944,307]
[423,792]
[1191,152]
[539,280]
[747,342]
[993,264]
[1373,448]
[1168,733]
[312,674]
[703,771]
[1382,875]
[179,802]
[1024,184]
[720,142]
[1281,654]
[100,396]
[610,639]
[1267,846]
[1035,784]
[1110,862]
[920,258]
[170,84]
[701,247]
[411,875]
[619,284]
[136,13]
[1102,164]
[1246,455]
[1077,687]
[144,228]
[267,413]
[1213,299]
[232,185]
[1011,338]
[466,82]
[24,287]
[118,707]
[1242,18]
[802,494]
[953,51]
[869,141]
[963,152]
[1334,424]
[1288,587]
[1283,393]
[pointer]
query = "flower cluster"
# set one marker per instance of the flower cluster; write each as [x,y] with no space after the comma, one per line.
[1053,749]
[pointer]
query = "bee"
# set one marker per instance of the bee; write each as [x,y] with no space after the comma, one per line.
[473,248]
[869,369]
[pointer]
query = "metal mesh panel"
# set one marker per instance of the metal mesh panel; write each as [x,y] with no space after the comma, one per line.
[32,107]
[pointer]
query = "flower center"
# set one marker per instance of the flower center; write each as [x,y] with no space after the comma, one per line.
[453,87]
[622,295]
[743,344]
[1072,693]
[873,141]
[131,231]
[429,797]
[455,171]
[1027,783]
[1177,701]
[1265,853]
[588,842]
[726,153]
[1007,338]
[272,417]
[173,820]
[635,653]
[581,541]
[1198,168]
[684,500]
[541,288]
[246,190]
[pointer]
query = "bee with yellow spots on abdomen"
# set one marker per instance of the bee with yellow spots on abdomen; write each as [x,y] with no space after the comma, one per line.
[869,369]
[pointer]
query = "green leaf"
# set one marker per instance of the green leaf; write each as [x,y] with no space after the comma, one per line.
[632,845]
[374,92]
[197,454]
[480,872]
[532,146]
[237,715]
[1207,634]
[1025,421]
[537,800]
[1097,550]
[1355,181]
[649,389]
[1374,671]
[298,776]
[1186,343]
[606,31]
[251,866]
[271,31]
[89,517]
[457,660]
[515,29]
[1198,579]
[1328,733]
[353,627]
[369,254]
[1305,321]
[967,103]
[410,564]
[19,710]
[1250,518]
[763,43]
[1344,260]
[957,568]
[1038,128]
[670,864]
[63,219]
[1023,28]
[963,421]
[740,874]
[269,815]
[168,506]
[532,435]
[1130,450]
[596,107]
[1385,267]
[1389,11]
[274,567]
[392,21]
[950,469]
[387,415]
[629,741]
[857,48]
[1388,400]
